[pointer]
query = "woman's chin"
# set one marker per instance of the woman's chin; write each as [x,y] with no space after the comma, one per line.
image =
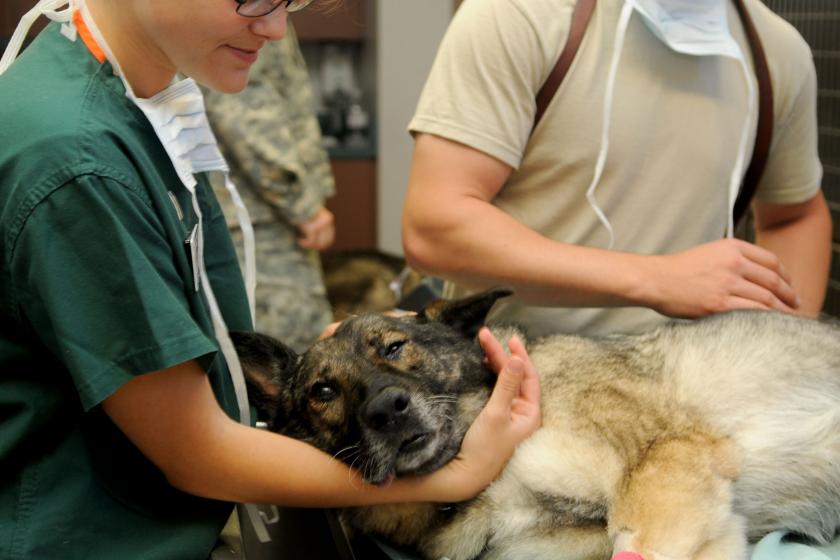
[232,81]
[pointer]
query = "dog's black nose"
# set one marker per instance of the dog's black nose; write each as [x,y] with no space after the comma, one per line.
[388,410]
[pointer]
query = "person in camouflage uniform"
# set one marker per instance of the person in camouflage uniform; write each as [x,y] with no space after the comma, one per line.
[270,137]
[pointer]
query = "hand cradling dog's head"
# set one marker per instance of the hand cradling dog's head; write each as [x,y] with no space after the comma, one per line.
[388,395]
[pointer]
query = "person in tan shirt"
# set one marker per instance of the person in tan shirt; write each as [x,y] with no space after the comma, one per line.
[622,247]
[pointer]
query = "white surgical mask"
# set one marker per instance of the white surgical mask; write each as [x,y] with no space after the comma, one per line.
[696,27]
[178,117]
[691,27]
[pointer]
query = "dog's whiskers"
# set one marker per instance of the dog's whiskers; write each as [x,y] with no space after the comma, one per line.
[366,466]
[355,446]
[350,472]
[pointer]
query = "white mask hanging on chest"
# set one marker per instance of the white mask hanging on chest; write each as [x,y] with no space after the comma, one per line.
[695,27]
[690,27]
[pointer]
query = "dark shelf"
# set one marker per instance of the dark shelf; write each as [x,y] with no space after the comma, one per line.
[345,22]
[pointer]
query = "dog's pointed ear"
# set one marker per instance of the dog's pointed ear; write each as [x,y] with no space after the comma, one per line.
[466,315]
[268,366]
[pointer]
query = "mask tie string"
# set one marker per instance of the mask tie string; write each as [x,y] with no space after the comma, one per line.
[737,176]
[247,228]
[621,29]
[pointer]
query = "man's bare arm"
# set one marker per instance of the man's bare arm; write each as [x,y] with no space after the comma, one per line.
[452,230]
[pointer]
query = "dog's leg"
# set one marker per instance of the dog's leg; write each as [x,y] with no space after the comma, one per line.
[676,502]
[465,536]
[730,544]
[564,543]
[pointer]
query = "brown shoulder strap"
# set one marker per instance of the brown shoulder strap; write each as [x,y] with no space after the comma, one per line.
[764,132]
[580,19]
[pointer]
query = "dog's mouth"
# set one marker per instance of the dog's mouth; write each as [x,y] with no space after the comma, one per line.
[419,452]
[414,443]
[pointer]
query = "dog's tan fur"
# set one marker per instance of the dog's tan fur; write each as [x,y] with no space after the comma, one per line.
[678,444]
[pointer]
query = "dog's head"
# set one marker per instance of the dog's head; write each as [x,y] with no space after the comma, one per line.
[387,395]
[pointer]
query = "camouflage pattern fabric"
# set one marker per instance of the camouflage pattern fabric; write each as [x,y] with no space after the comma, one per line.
[270,137]
[291,300]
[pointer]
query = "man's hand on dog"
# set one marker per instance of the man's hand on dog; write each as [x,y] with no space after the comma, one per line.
[511,415]
[719,276]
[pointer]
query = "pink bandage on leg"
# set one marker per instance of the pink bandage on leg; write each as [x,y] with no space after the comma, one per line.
[627,556]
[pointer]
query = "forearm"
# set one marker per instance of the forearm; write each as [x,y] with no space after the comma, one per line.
[477,245]
[473,243]
[804,247]
[242,464]
[452,230]
[173,418]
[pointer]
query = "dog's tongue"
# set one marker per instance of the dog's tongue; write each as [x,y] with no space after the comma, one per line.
[387,482]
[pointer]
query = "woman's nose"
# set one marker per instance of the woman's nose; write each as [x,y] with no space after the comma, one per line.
[272,26]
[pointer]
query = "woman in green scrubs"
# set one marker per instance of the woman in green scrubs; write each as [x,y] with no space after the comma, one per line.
[118,419]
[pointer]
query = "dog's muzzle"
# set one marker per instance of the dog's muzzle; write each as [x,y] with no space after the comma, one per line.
[388,411]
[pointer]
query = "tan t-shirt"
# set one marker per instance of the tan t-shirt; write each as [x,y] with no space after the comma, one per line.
[674,132]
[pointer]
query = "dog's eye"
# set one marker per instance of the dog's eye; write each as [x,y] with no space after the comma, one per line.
[392,351]
[323,392]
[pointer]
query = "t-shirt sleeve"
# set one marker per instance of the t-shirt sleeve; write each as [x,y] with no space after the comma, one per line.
[793,172]
[483,84]
[96,280]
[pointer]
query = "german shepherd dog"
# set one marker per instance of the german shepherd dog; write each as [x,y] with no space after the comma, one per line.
[682,443]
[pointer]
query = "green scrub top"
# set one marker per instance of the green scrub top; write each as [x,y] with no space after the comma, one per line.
[96,287]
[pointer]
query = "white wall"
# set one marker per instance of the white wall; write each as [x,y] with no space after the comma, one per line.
[407,36]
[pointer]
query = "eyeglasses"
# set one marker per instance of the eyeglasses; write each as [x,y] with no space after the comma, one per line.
[259,8]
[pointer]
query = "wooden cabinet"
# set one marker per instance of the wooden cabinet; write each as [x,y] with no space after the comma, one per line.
[10,14]
[7,25]
[347,25]
[344,22]
[354,204]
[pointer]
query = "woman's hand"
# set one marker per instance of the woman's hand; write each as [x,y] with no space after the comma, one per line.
[318,232]
[511,415]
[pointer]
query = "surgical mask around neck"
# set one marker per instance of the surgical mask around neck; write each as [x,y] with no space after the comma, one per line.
[694,27]
[178,117]
[690,27]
